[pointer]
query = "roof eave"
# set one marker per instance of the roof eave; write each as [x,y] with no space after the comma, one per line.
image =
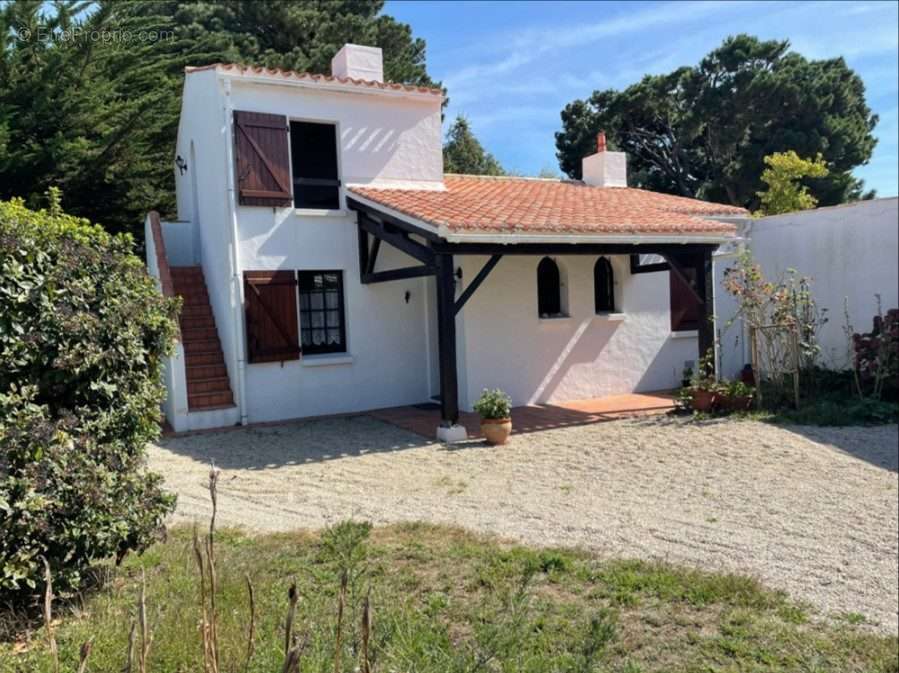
[504,238]
[687,238]
[332,86]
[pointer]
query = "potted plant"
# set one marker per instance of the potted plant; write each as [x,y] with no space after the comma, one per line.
[705,394]
[495,408]
[704,390]
[737,396]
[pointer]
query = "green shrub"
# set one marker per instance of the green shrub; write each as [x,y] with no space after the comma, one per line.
[493,404]
[83,331]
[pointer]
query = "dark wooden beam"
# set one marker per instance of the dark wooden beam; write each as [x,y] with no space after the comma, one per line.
[373,255]
[362,236]
[706,283]
[570,248]
[374,213]
[397,240]
[476,282]
[446,341]
[637,268]
[398,274]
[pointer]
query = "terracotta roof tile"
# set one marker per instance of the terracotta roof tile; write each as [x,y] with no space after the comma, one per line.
[313,77]
[526,205]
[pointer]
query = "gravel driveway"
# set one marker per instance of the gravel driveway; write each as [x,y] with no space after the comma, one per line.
[811,510]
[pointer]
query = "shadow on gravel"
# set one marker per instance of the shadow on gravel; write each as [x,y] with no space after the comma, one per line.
[293,443]
[875,444]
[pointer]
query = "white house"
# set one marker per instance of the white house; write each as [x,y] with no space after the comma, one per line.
[849,252]
[328,265]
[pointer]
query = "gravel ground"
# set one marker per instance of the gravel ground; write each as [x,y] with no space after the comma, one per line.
[813,511]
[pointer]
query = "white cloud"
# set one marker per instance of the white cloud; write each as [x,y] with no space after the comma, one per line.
[528,46]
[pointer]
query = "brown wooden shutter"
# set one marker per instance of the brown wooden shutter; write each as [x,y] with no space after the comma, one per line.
[271,316]
[685,308]
[262,156]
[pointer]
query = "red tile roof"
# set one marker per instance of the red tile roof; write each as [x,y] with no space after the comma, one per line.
[527,205]
[312,77]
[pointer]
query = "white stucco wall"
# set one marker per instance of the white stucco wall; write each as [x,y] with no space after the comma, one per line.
[503,343]
[849,251]
[387,363]
[380,138]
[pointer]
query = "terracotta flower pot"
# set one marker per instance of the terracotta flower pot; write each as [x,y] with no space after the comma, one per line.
[703,400]
[496,430]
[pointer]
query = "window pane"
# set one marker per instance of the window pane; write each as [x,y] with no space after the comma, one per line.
[321,316]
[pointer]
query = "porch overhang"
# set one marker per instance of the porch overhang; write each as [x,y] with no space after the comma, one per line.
[434,245]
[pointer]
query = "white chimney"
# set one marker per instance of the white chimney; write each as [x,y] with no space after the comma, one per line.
[604,169]
[358,62]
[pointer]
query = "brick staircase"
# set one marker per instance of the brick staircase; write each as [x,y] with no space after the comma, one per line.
[208,386]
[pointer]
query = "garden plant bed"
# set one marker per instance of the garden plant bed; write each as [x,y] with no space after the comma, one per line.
[439,598]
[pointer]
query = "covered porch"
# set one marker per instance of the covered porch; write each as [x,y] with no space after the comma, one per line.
[441,254]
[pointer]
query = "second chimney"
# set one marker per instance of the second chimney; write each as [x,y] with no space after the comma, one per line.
[604,169]
[358,62]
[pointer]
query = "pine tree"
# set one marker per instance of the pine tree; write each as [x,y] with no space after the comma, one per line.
[96,114]
[463,153]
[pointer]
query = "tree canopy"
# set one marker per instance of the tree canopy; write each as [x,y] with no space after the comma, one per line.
[703,131]
[463,153]
[90,91]
[785,192]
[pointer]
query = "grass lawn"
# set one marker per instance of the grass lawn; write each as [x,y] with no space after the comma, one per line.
[445,600]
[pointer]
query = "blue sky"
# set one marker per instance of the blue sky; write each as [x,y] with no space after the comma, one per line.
[512,66]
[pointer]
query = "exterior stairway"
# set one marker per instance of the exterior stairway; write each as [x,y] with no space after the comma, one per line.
[208,386]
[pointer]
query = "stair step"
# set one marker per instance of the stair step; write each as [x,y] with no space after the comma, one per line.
[212,385]
[208,386]
[195,311]
[204,347]
[195,299]
[198,333]
[197,372]
[207,400]
[206,359]
[197,322]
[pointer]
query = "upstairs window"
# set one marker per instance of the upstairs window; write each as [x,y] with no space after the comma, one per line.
[313,156]
[322,324]
[603,286]
[549,289]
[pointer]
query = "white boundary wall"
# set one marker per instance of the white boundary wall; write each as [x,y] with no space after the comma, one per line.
[851,252]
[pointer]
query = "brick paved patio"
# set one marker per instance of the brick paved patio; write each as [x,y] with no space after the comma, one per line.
[424,419]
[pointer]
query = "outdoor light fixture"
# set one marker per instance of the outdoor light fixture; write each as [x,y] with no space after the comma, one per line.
[181,164]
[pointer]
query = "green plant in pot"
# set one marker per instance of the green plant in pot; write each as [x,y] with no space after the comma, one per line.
[737,396]
[705,391]
[495,409]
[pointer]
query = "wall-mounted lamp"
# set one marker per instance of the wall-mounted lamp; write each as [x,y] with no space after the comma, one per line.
[408,296]
[181,164]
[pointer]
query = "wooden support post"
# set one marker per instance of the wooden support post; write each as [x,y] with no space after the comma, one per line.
[446,341]
[706,286]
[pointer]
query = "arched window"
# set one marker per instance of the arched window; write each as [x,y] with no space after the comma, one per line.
[549,289]
[603,286]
